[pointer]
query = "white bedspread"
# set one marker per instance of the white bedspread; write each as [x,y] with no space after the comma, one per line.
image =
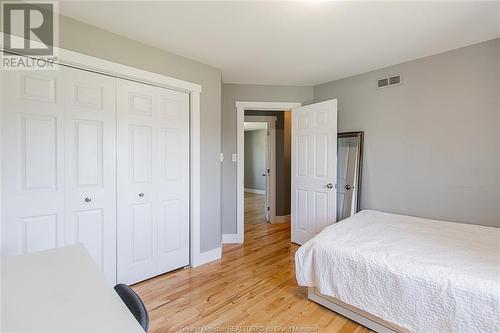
[423,275]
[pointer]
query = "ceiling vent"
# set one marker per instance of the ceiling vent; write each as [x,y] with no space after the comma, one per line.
[382,83]
[393,80]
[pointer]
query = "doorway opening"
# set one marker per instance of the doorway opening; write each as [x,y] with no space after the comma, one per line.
[267,166]
[313,166]
[274,203]
[260,169]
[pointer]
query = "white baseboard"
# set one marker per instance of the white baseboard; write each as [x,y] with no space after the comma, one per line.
[252,190]
[281,219]
[231,239]
[207,256]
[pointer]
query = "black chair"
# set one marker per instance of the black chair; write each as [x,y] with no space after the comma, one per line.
[134,304]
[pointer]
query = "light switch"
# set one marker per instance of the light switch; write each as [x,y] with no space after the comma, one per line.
[234,157]
[222,157]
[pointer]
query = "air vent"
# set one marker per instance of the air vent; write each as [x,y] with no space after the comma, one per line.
[392,80]
[381,83]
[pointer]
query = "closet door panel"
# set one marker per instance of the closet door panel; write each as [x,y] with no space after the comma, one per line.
[88,228]
[38,152]
[90,116]
[32,161]
[137,166]
[142,232]
[38,233]
[140,152]
[88,153]
[173,189]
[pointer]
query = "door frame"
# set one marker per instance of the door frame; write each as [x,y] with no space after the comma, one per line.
[270,158]
[241,106]
[113,69]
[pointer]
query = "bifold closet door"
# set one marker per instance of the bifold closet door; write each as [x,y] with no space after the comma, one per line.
[153,180]
[90,167]
[33,191]
[58,163]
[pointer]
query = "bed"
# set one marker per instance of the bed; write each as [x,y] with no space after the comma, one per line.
[395,273]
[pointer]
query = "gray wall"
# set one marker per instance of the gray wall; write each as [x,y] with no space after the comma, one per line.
[87,39]
[432,145]
[242,92]
[255,159]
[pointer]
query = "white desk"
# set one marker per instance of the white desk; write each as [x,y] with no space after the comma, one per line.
[61,290]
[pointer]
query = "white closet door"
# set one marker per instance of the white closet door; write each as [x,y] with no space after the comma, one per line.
[173,180]
[314,169]
[153,165]
[136,214]
[32,161]
[91,165]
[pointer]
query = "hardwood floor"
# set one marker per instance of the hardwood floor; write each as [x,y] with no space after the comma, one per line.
[254,208]
[251,289]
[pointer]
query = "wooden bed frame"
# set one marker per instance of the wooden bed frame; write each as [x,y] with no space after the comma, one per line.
[362,317]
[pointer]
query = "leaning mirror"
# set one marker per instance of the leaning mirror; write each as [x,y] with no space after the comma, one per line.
[349,165]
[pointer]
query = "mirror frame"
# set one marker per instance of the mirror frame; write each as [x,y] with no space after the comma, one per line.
[361,136]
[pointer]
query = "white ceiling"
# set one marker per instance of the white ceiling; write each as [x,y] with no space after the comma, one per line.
[254,126]
[295,43]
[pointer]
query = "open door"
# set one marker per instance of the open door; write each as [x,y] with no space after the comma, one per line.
[270,172]
[314,169]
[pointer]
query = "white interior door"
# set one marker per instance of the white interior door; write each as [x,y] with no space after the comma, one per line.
[346,164]
[314,164]
[153,188]
[32,161]
[90,167]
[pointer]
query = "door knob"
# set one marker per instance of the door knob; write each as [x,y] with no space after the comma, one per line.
[264,174]
[348,187]
[88,199]
[329,185]
[141,194]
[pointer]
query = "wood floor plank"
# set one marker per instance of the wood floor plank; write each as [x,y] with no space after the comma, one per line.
[253,285]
